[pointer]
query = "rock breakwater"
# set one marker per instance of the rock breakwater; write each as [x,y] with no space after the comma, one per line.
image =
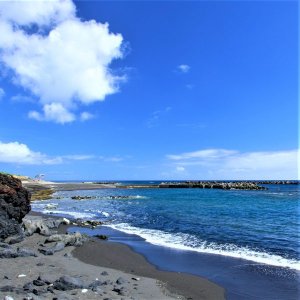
[234,185]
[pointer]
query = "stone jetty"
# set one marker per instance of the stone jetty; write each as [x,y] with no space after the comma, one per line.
[223,185]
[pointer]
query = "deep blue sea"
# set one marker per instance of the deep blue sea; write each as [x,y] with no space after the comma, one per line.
[260,226]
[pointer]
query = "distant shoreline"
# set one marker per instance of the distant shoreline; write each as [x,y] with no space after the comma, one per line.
[44,189]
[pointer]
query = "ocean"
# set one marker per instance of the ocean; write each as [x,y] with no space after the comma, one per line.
[260,227]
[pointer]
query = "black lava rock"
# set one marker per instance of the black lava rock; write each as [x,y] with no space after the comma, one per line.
[14,205]
[66,283]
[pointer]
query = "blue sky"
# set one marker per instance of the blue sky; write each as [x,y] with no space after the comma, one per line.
[169,90]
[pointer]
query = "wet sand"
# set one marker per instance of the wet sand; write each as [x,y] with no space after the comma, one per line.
[121,257]
[242,279]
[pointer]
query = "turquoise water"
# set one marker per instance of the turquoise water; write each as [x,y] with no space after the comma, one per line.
[261,226]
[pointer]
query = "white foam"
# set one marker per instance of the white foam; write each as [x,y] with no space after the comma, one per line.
[104,213]
[51,206]
[125,197]
[188,242]
[139,197]
[75,214]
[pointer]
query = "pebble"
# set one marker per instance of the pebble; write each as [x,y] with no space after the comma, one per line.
[120,280]
[28,287]
[50,251]
[66,221]
[66,282]
[104,273]
[136,278]
[21,275]
[38,282]
[8,298]
[47,278]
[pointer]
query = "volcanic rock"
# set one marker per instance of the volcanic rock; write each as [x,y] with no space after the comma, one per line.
[14,205]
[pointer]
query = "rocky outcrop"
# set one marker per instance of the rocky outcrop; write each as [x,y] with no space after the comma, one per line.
[13,252]
[282,182]
[222,185]
[14,205]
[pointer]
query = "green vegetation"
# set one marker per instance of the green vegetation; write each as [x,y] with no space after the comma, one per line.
[43,194]
[5,173]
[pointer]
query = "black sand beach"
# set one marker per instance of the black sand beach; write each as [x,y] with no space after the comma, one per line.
[241,279]
[121,257]
[140,279]
[170,273]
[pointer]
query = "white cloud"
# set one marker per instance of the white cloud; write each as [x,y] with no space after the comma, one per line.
[22,98]
[55,112]
[184,68]
[111,158]
[2,93]
[26,12]
[231,164]
[78,157]
[15,152]
[18,153]
[64,66]
[203,154]
[85,116]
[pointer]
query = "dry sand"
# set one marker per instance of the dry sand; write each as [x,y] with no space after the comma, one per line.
[58,265]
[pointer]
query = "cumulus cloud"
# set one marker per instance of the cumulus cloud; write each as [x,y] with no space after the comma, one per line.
[18,153]
[63,61]
[24,12]
[15,152]
[183,68]
[55,112]
[231,164]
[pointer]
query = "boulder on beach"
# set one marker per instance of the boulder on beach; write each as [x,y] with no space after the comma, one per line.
[76,239]
[14,205]
[42,225]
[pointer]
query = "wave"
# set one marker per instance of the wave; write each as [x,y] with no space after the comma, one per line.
[123,197]
[188,242]
[102,212]
[75,214]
